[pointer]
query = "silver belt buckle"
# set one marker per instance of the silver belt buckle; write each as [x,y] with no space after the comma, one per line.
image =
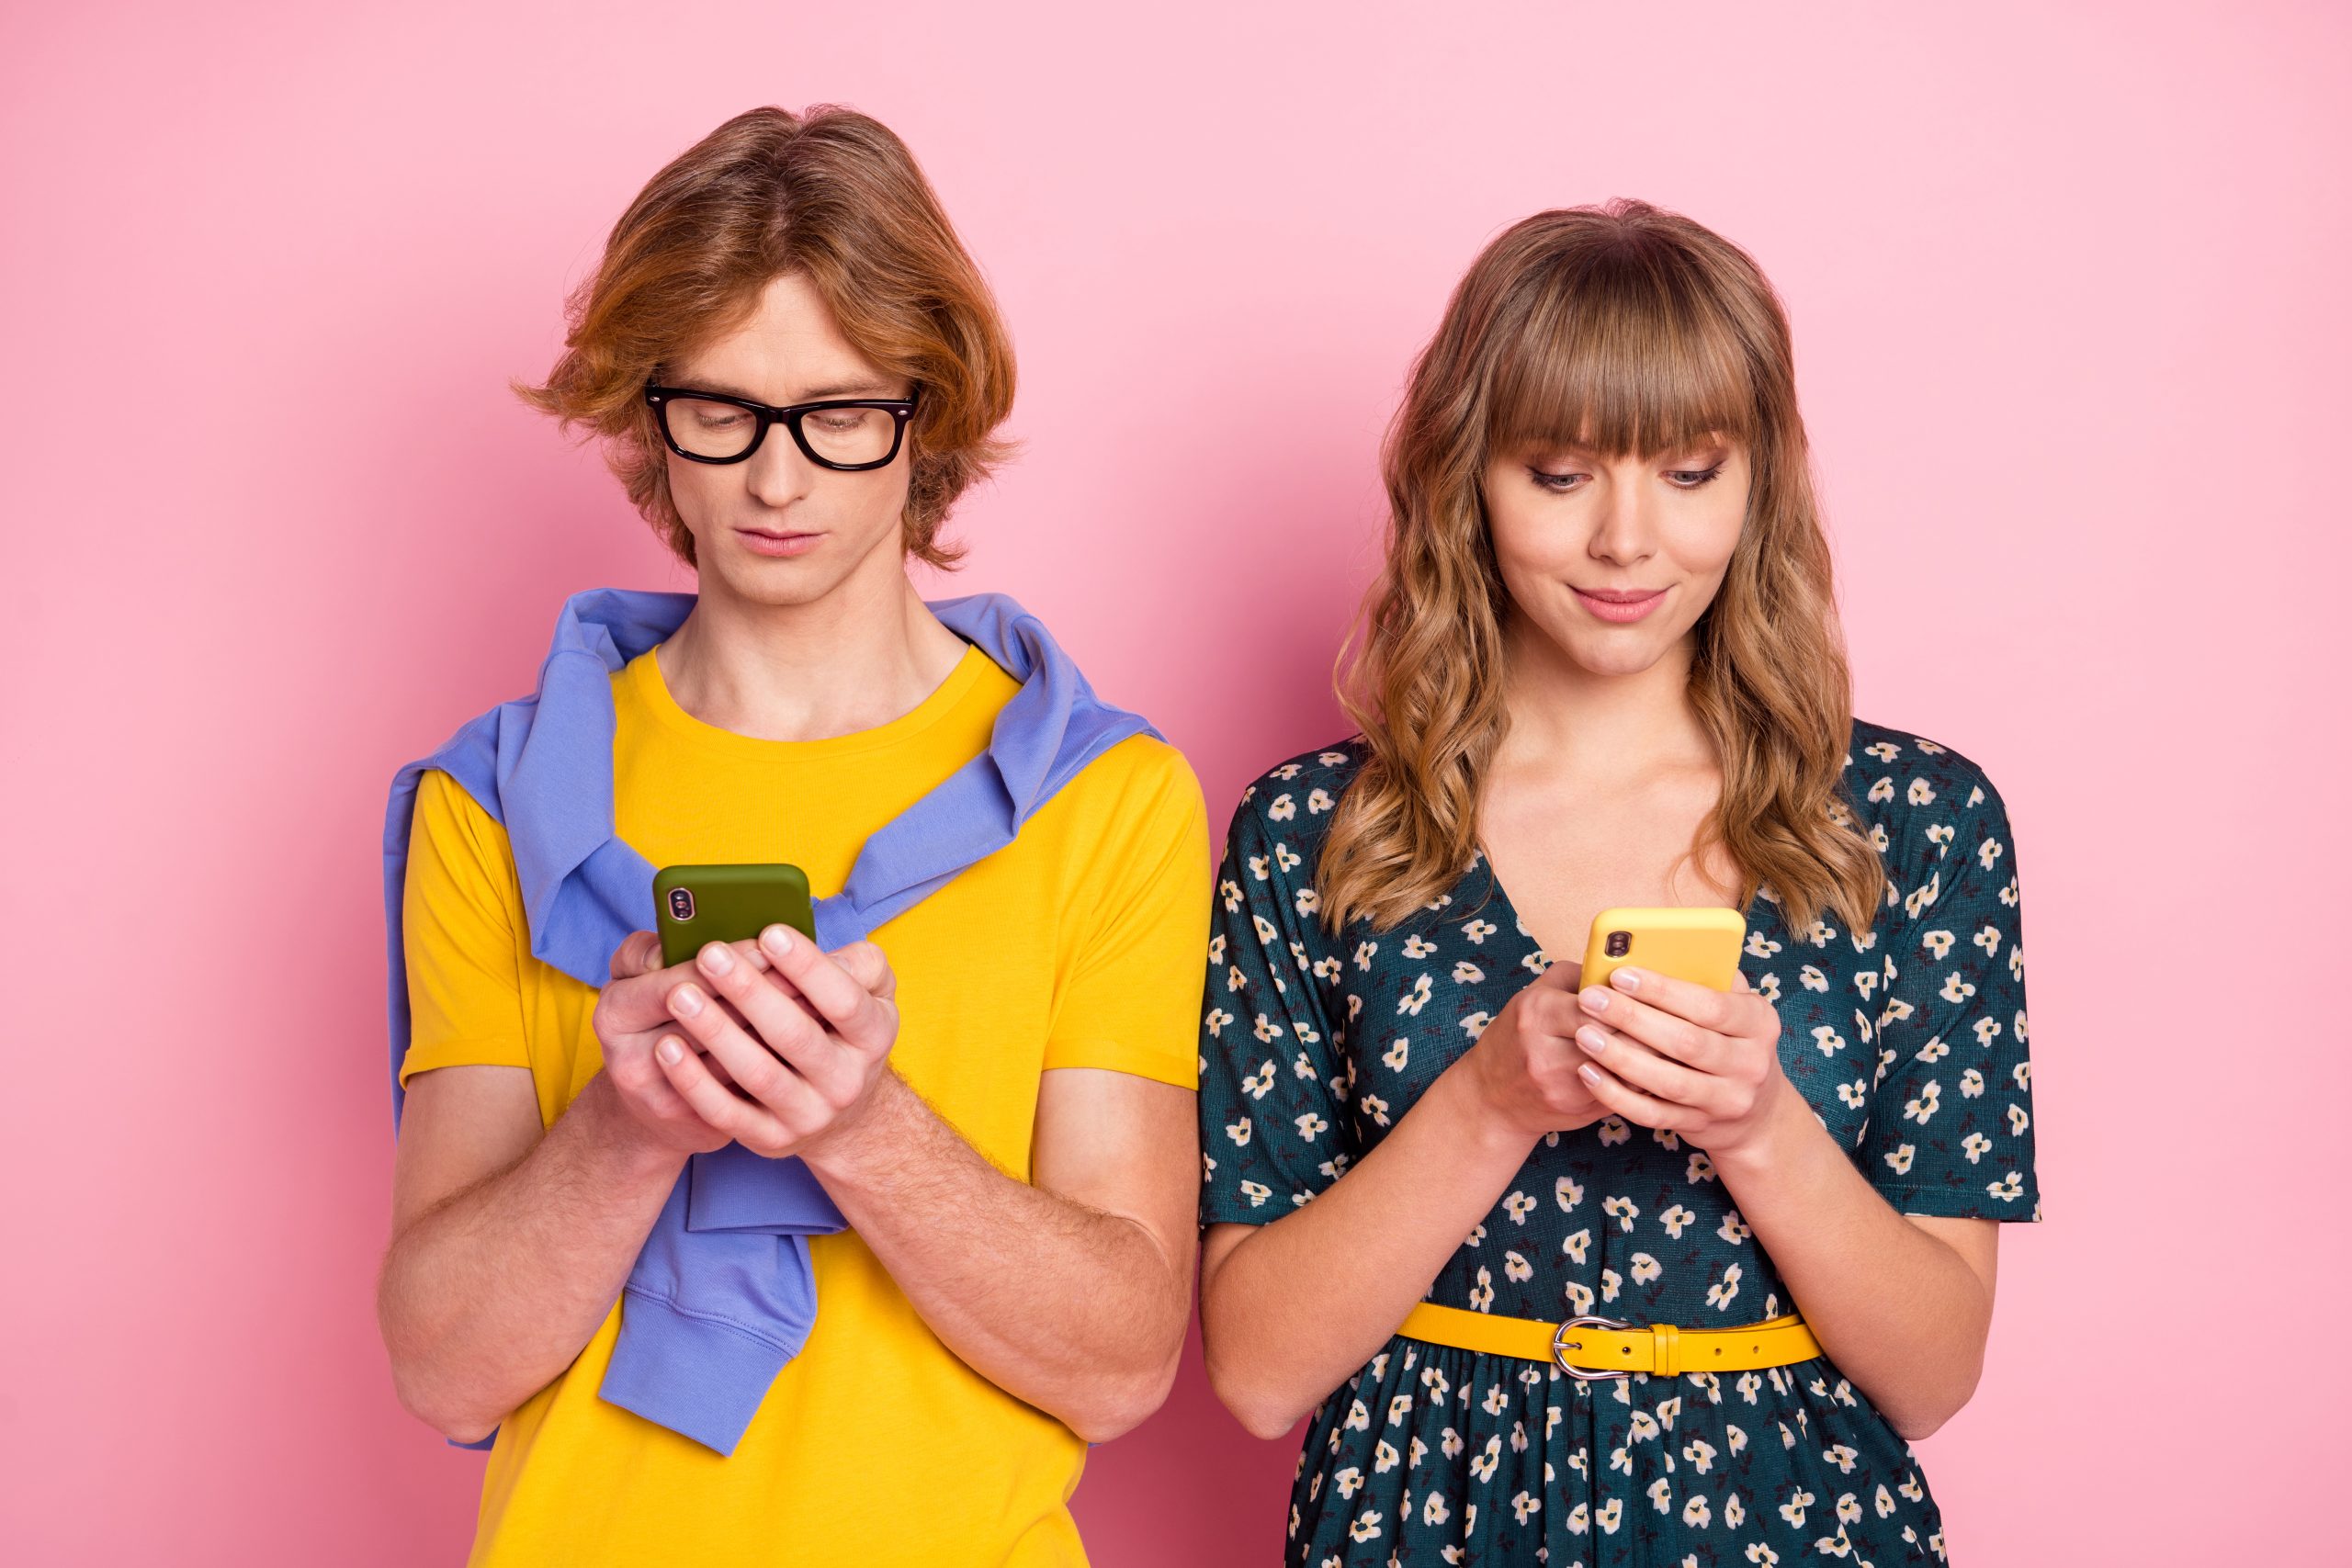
[1561,1344]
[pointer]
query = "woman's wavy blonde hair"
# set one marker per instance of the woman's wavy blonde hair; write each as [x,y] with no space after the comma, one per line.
[1621,329]
[833,195]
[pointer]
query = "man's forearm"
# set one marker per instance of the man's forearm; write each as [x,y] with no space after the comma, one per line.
[487,1297]
[1074,1310]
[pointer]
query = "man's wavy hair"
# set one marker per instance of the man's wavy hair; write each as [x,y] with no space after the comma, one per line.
[835,197]
[1629,330]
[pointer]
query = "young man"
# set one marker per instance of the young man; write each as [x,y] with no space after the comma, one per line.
[617,1236]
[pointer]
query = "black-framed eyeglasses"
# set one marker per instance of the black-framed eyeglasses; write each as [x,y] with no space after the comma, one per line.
[847,434]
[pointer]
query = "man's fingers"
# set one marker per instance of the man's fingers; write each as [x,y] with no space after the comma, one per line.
[723,1110]
[865,962]
[639,953]
[855,1012]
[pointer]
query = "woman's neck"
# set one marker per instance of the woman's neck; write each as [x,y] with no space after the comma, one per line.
[861,656]
[1570,723]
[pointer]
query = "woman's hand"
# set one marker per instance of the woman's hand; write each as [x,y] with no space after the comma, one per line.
[1668,1053]
[1524,1068]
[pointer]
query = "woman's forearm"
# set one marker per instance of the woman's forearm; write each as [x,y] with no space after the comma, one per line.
[1293,1308]
[486,1298]
[1901,1311]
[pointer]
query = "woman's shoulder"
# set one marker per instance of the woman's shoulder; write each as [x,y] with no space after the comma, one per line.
[1295,797]
[1922,801]
[1886,764]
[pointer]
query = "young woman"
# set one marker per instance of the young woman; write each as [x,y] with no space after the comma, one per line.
[1602,668]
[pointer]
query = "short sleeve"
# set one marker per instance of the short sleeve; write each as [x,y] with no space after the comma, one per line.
[1952,1125]
[1273,1128]
[1134,986]
[459,916]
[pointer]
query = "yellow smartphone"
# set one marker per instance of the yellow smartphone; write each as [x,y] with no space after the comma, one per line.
[1696,944]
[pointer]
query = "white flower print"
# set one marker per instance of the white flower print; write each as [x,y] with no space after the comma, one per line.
[1397,1053]
[1309,1124]
[1482,1294]
[1515,1268]
[1417,947]
[1319,802]
[1645,1269]
[1987,852]
[1574,1246]
[1415,998]
[1239,1132]
[1921,1109]
[1282,809]
[1734,1229]
[1216,1022]
[1371,1105]
[1700,1168]
[2018,1120]
[1720,1293]
[1793,1509]
[1475,1024]
[1828,1039]
[1524,1506]
[1623,1210]
[1761,946]
[1609,1514]
[1477,931]
[1612,1130]
[1695,1512]
[1661,1495]
[1972,1083]
[1257,1193]
[1976,1146]
[1899,1161]
[1467,974]
[1518,1205]
[1566,1194]
[1920,792]
[1257,1083]
[1366,1527]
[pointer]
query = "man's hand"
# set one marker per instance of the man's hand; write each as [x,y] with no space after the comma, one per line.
[801,1037]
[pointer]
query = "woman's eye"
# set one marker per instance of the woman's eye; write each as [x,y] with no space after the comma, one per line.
[1546,480]
[1691,478]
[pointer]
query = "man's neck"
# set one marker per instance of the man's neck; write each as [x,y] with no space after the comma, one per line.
[865,654]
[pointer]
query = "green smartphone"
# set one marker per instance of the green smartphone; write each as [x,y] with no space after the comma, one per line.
[698,904]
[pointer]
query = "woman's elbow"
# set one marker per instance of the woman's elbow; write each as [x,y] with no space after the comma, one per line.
[1261,1412]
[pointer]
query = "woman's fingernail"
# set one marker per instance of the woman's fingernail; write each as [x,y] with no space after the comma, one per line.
[717,958]
[1596,999]
[777,940]
[1592,1039]
[685,999]
[1591,1073]
[670,1050]
[1628,978]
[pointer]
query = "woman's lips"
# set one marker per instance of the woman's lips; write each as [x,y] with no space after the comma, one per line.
[763,544]
[1620,605]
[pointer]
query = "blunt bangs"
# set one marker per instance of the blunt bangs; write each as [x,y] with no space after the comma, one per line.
[1619,353]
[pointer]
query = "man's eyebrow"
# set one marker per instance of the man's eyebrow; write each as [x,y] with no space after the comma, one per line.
[866,389]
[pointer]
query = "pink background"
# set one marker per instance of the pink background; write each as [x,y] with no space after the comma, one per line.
[2067,291]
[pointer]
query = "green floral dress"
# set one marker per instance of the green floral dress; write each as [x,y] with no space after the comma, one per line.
[1909,1041]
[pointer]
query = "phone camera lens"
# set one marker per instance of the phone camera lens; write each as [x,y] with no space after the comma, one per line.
[1620,944]
[681,904]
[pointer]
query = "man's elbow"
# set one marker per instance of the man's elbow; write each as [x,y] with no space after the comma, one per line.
[1122,1405]
[445,1415]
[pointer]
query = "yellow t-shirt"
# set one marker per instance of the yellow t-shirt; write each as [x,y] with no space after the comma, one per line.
[1078,946]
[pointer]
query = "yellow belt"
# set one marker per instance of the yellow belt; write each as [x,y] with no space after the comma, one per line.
[1599,1349]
